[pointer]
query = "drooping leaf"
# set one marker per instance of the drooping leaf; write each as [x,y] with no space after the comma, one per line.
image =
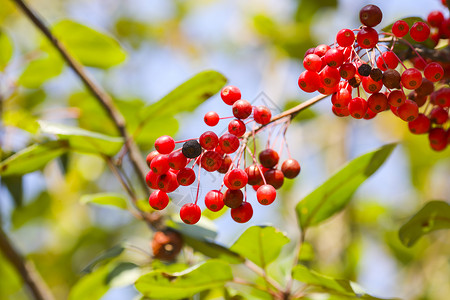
[433,216]
[83,140]
[305,275]
[110,199]
[334,194]
[6,50]
[186,97]
[204,276]
[105,255]
[40,70]
[261,245]
[90,47]
[32,158]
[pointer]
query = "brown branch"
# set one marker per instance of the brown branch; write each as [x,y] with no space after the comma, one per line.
[25,268]
[103,98]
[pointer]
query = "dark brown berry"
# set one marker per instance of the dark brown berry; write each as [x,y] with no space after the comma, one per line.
[376,74]
[192,149]
[166,245]
[355,81]
[364,70]
[391,79]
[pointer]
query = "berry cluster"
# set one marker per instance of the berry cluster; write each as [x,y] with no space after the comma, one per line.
[360,58]
[170,168]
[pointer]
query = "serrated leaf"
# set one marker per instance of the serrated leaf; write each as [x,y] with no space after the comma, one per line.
[433,216]
[90,47]
[111,199]
[207,275]
[261,245]
[334,194]
[40,70]
[186,97]
[83,140]
[6,50]
[32,158]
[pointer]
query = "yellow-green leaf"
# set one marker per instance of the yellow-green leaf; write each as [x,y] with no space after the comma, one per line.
[40,70]
[112,199]
[6,50]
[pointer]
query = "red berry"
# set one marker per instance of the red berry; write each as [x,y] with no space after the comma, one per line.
[262,114]
[312,62]
[438,139]
[214,200]
[290,168]
[442,97]
[177,160]
[236,127]
[411,78]
[230,94]
[377,102]
[433,72]
[268,158]
[309,81]
[274,177]
[243,213]
[209,140]
[186,176]
[420,125]
[439,115]
[225,166]
[408,111]
[254,174]
[211,118]
[329,76]
[345,37]
[229,143]
[435,18]
[266,194]
[396,98]
[236,179]
[367,37]
[369,114]
[233,198]
[370,15]
[341,98]
[211,161]
[370,85]
[334,58]
[357,107]
[387,60]
[150,157]
[158,200]
[190,213]
[160,164]
[151,179]
[321,50]
[347,71]
[167,182]
[242,109]
[164,144]
[400,28]
[340,112]
[420,31]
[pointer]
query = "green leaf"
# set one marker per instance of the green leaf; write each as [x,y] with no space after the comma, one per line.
[14,185]
[6,50]
[83,140]
[36,209]
[305,275]
[32,158]
[112,199]
[333,195]
[261,245]
[433,216]
[90,47]
[11,281]
[105,255]
[186,97]
[207,275]
[22,119]
[40,70]
[91,286]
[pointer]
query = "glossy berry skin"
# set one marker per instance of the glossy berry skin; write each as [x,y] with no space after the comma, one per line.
[441,97]
[236,179]
[439,115]
[400,28]
[290,168]
[309,81]
[420,31]
[341,98]
[369,114]
[334,58]
[371,86]
[208,140]
[150,157]
[312,62]
[321,49]
[230,94]
[347,71]
[242,109]
[254,174]
[420,125]
[226,163]
[435,18]
[211,118]
[262,114]
[408,111]
[377,102]
[214,200]
[367,38]
[411,78]
[329,77]
[396,98]
[387,60]
[158,200]
[160,164]
[211,161]
[177,160]
[370,15]
[190,213]
[243,213]
[275,178]
[151,179]
[340,112]
[438,139]
[268,158]
[237,127]
[167,182]
[233,198]
[164,144]
[266,194]
[357,107]
[229,143]
[186,176]
[345,37]
[191,149]
[433,72]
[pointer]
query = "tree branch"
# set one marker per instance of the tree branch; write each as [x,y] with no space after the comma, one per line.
[25,268]
[103,98]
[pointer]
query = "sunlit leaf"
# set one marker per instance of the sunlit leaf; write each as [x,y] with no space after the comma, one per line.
[92,48]
[40,70]
[83,140]
[11,281]
[36,209]
[261,245]
[333,195]
[111,199]
[21,119]
[32,158]
[6,50]
[207,275]
[91,286]
[433,216]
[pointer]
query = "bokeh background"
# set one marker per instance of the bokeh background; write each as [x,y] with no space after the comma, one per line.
[258,46]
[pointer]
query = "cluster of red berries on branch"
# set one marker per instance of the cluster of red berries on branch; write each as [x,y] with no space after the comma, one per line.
[225,154]
[364,75]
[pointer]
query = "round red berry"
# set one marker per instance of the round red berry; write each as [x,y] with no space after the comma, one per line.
[400,28]
[158,200]
[164,144]
[214,200]
[230,94]
[345,37]
[243,213]
[209,140]
[262,114]
[177,160]
[420,31]
[211,118]
[186,176]
[266,194]
[290,168]
[190,213]
[242,109]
